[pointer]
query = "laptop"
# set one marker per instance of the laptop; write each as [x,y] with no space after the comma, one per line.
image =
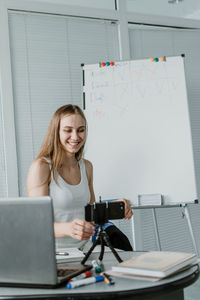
[27,245]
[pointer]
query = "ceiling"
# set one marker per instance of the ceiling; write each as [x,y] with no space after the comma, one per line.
[189,9]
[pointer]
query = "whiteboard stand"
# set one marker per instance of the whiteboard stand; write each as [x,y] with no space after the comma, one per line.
[133,235]
[187,215]
[151,97]
[156,229]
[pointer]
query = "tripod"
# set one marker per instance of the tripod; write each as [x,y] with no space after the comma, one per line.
[101,237]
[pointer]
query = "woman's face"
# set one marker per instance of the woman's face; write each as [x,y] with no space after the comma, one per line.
[72,133]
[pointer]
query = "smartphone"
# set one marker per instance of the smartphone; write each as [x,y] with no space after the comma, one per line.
[101,212]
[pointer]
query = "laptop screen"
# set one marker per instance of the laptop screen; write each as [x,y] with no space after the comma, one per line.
[27,252]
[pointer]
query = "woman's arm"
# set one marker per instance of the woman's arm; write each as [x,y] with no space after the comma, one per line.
[89,172]
[37,181]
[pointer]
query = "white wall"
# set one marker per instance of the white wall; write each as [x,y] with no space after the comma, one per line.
[108,4]
[183,9]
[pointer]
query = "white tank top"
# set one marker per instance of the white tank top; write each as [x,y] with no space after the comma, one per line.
[68,203]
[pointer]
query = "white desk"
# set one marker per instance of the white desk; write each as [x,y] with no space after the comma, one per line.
[123,289]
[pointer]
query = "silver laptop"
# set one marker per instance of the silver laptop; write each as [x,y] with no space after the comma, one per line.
[27,245]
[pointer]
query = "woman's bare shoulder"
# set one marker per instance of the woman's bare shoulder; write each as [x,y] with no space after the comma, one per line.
[88,165]
[38,178]
[40,165]
[39,171]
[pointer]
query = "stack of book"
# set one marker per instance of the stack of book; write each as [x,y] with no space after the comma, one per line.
[154,265]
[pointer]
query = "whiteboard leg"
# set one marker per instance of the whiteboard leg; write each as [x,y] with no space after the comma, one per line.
[156,229]
[187,215]
[133,232]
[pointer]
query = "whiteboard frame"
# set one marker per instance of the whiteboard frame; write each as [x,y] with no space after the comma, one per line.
[96,66]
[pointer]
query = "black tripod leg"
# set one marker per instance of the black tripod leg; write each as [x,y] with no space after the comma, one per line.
[107,241]
[90,250]
[102,249]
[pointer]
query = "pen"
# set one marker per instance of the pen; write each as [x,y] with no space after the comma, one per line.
[85,274]
[86,281]
[108,279]
[62,253]
[96,266]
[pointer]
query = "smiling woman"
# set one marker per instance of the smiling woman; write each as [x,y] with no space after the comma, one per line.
[60,171]
[72,133]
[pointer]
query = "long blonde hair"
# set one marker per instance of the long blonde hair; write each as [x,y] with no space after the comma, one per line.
[51,147]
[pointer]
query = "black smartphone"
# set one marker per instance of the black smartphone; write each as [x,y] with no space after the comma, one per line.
[101,212]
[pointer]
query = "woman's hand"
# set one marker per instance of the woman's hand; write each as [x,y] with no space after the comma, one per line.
[81,229]
[128,209]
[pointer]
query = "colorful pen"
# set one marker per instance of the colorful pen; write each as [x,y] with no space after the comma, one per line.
[86,281]
[96,266]
[108,279]
[83,275]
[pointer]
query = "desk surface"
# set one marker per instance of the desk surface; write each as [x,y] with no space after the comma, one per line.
[123,288]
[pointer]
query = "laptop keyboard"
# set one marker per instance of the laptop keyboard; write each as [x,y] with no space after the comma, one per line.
[65,272]
[68,271]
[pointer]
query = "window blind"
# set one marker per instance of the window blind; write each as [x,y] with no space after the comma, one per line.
[46,56]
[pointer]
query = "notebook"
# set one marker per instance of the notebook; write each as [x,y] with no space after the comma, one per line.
[27,251]
[155,264]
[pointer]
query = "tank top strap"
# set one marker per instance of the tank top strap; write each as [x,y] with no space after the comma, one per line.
[48,160]
[83,169]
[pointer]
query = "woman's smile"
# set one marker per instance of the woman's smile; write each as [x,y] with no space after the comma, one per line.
[73,144]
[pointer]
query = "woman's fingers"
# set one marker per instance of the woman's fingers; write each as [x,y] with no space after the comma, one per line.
[129,214]
[128,210]
[82,230]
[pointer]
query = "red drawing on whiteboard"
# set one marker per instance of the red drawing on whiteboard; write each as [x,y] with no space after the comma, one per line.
[99,114]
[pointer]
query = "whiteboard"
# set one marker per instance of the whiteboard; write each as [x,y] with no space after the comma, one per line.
[139,136]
